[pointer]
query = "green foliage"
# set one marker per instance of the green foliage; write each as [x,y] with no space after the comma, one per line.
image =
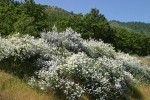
[20,68]
[29,1]
[25,25]
[73,21]
[131,42]
[141,27]
[55,14]
[97,24]
[26,17]
[92,25]
[7,18]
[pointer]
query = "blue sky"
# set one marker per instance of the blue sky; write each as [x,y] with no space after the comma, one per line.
[122,10]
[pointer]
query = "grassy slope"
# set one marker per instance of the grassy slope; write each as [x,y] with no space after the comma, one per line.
[145,90]
[145,60]
[133,26]
[57,12]
[12,88]
[140,92]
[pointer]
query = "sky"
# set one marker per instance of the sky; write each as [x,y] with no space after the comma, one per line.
[121,10]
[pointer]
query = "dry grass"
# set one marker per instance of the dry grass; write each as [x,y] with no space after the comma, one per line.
[145,90]
[12,88]
[141,92]
[144,60]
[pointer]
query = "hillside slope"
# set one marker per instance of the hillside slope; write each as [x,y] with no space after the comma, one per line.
[134,26]
[56,11]
[13,88]
[55,14]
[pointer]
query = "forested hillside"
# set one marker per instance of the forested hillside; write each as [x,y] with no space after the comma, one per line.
[141,27]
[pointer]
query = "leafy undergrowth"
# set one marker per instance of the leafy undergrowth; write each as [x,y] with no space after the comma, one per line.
[12,88]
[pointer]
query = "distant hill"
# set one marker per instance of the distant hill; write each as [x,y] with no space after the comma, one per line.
[55,11]
[55,14]
[135,26]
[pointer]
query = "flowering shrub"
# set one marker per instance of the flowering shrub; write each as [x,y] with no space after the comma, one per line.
[135,67]
[23,47]
[72,41]
[17,50]
[74,66]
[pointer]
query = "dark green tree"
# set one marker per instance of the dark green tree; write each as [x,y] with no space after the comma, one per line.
[97,25]
[30,1]
[73,21]
[38,13]
[7,17]
[131,42]
[22,17]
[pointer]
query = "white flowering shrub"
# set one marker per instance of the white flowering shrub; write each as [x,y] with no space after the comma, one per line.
[74,67]
[72,41]
[135,67]
[97,49]
[98,77]
[23,47]
[24,51]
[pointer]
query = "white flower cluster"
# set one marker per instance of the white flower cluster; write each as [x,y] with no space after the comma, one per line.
[17,47]
[96,49]
[135,67]
[72,41]
[75,66]
[23,47]
[97,77]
